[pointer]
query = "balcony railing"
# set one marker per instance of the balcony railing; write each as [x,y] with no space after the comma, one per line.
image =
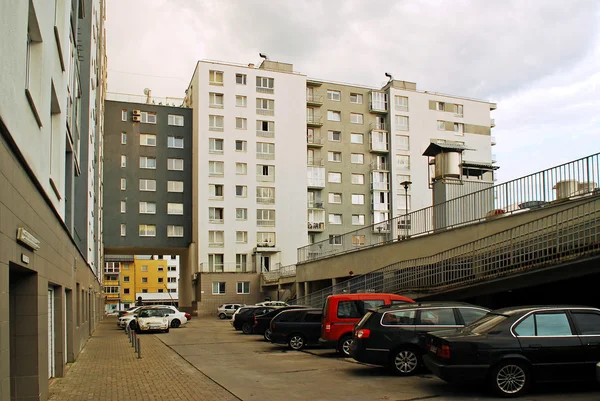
[315,204]
[262,89]
[493,140]
[265,156]
[265,134]
[381,206]
[380,166]
[216,244]
[266,201]
[265,223]
[315,121]
[572,180]
[227,267]
[315,162]
[314,182]
[314,100]
[380,186]
[381,126]
[281,272]
[379,146]
[316,225]
[315,141]
[265,112]
[215,221]
[265,178]
[378,107]
[382,228]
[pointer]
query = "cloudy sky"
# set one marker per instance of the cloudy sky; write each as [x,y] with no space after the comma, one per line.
[538,59]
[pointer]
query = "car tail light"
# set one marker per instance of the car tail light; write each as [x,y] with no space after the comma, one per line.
[255,321]
[188,316]
[327,327]
[363,333]
[444,352]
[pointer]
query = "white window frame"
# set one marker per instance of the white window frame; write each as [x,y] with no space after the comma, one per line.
[265,217]
[356,175]
[213,170]
[145,207]
[334,198]
[335,157]
[402,142]
[147,139]
[244,191]
[331,136]
[245,287]
[241,214]
[213,148]
[241,123]
[149,230]
[358,199]
[265,238]
[357,118]
[334,95]
[358,98]
[218,287]
[241,237]
[354,135]
[123,138]
[175,142]
[400,104]
[216,238]
[241,261]
[172,186]
[334,115]
[174,231]
[216,100]
[123,206]
[358,219]
[175,208]
[441,125]
[147,185]
[123,184]
[148,162]
[123,161]
[215,77]
[335,239]
[175,120]
[241,101]
[123,229]
[241,168]
[357,158]
[216,122]
[123,115]
[241,79]
[403,166]
[213,211]
[213,193]
[332,174]
[263,150]
[148,117]
[175,164]
[335,219]
[401,127]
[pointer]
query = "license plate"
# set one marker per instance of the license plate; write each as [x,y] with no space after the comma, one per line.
[433,349]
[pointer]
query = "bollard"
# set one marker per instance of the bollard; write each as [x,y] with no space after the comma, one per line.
[139,349]
[135,343]
[133,337]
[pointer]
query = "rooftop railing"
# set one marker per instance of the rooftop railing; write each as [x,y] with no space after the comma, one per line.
[570,180]
[154,100]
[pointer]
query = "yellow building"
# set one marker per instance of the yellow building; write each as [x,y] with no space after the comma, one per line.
[115,266]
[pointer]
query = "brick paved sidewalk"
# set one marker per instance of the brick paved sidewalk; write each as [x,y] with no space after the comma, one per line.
[108,370]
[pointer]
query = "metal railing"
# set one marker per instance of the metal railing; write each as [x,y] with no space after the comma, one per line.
[226,267]
[283,271]
[557,184]
[557,238]
[131,98]
[314,119]
[314,99]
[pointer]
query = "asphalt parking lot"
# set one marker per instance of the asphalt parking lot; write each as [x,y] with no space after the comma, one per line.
[252,369]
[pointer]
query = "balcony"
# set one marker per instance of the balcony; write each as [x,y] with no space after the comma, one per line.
[381,228]
[215,221]
[381,126]
[216,244]
[315,162]
[381,207]
[493,139]
[265,223]
[312,82]
[265,201]
[492,122]
[265,178]
[111,283]
[314,142]
[316,226]
[378,107]
[315,204]
[380,166]
[265,134]
[265,112]
[315,183]
[314,100]
[113,296]
[379,146]
[227,267]
[265,156]
[314,121]
[380,186]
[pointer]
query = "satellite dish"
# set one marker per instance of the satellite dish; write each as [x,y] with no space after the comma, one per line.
[146,91]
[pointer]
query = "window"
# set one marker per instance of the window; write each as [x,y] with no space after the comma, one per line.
[175,142]
[240,146]
[469,315]
[148,162]
[241,191]
[147,230]
[265,217]
[335,240]
[335,218]
[126,279]
[123,138]
[265,107]
[358,199]
[335,197]
[160,269]
[241,214]
[587,322]
[144,268]
[403,162]
[458,110]
[123,207]
[459,128]
[216,238]
[243,287]
[241,237]
[265,239]
[172,290]
[171,279]
[358,179]
[334,156]
[147,139]
[123,161]
[215,168]
[148,117]
[401,103]
[437,317]
[378,101]
[240,79]
[265,150]
[175,120]
[334,177]
[265,85]
[123,230]
[215,145]
[401,123]
[357,158]
[358,219]
[402,142]
[265,195]
[215,77]
[123,115]
[356,118]
[265,173]
[144,280]
[265,128]
[160,280]
[215,215]
[336,96]
[241,168]
[356,138]
[123,184]
[241,123]
[215,100]
[334,115]
[174,231]
[356,98]
[399,318]
[241,101]
[147,207]
[175,164]
[334,136]
[441,125]
[358,240]
[174,186]
[215,123]
[440,106]
[215,191]
[175,208]
[218,287]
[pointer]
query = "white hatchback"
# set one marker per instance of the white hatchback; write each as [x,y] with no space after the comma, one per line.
[152,319]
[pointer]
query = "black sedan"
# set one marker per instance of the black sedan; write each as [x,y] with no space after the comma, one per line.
[262,322]
[511,347]
[244,319]
[297,328]
[394,336]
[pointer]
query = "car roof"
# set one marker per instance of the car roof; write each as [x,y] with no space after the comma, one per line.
[424,305]
[302,310]
[512,310]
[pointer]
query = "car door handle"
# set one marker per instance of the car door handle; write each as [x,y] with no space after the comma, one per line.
[535,346]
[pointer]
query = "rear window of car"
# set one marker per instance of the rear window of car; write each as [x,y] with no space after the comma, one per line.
[399,318]
[469,315]
[438,317]
[290,316]
[486,323]
[313,317]
[364,319]
[356,309]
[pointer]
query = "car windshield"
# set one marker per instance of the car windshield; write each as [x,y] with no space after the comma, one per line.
[486,323]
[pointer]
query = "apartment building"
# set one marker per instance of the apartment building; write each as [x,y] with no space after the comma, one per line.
[250,127]
[52,80]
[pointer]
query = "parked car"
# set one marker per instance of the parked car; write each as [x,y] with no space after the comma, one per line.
[128,318]
[342,311]
[227,310]
[243,318]
[152,319]
[188,316]
[394,336]
[297,328]
[272,303]
[262,322]
[175,317]
[512,347]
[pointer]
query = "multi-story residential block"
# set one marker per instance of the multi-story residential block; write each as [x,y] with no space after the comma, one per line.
[250,128]
[52,80]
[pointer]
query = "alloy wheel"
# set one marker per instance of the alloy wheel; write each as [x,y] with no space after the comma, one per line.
[296,342]
[406,362]
[346,344]
[175,323]
[267,334]
[511,379]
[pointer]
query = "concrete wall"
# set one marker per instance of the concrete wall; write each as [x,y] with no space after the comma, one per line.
[207,302]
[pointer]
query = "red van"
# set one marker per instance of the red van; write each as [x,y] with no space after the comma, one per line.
[341,312]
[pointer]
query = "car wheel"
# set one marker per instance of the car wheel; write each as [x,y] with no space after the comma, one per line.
[167,330]
[344,345]
[296,342]
[405,361]
[247,328]
[222,316]
[510,379]
[175,323]
[267,334]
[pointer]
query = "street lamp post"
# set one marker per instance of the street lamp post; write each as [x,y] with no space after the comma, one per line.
[405,184]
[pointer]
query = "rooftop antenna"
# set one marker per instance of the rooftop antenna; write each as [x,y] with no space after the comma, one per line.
[387,74]
[263,55]
[147,92]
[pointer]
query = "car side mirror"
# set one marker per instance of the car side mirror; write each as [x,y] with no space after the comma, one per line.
[167,315]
